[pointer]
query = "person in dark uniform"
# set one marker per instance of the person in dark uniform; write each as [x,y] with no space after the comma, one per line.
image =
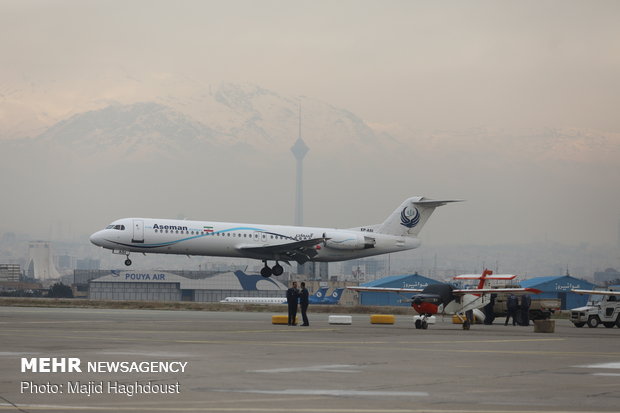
[512,303]
[526,302]
[303,303]
[292,298]
[489,314]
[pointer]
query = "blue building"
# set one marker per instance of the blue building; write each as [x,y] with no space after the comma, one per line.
[394,281]
[559,287]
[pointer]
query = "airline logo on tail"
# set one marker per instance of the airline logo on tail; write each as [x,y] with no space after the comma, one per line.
[409,217]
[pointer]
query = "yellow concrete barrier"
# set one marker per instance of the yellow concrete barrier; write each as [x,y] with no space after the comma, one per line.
[457,320]
[281,319]
[382,319]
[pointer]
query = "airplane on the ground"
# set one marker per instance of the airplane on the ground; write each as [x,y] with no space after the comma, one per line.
[333,298]
[399,232]
[316,298]
[445,299]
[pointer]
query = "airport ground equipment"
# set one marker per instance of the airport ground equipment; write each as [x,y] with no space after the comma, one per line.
[382,319]
[603,308]
[281,319]
[544,326]
[540,308]
[340,319]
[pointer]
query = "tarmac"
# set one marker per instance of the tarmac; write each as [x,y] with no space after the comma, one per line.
[240,362]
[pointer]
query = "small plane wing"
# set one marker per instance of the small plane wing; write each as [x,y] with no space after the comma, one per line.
[386,289]
[456,292]
[601,292]
[300,251]
[486,277]
[496,290]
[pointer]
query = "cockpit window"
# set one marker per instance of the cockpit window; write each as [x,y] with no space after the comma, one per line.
[117,227]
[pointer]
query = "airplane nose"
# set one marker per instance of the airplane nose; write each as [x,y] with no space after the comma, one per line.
[96,238]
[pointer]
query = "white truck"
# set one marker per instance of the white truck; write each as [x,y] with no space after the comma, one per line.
[603,307]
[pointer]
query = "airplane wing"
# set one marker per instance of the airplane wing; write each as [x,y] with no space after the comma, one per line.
[496,290]
[300,251]
[601,292]
[386,289]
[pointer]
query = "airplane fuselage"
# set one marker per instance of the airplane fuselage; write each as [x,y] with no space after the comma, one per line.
[224,239]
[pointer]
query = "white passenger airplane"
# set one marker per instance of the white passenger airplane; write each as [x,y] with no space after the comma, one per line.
[269,242]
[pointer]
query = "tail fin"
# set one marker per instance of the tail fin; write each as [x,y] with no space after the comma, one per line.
[410,216]
[320,293]
[318,296]
[334,297]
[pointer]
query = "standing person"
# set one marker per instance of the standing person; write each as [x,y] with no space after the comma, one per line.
[511,307]
[292,298]
[303,303]
[526,302]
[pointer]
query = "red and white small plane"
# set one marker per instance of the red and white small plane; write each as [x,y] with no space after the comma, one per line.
[445,299]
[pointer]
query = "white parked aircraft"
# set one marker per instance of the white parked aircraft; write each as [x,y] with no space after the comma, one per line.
[269,242]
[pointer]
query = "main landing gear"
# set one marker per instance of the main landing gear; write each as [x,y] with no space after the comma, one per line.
[421,322]
[268,272]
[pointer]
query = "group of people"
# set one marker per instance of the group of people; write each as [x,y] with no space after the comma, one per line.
[295,297]
[516,311]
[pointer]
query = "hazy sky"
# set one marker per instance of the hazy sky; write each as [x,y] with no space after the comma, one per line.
[406,63]
[406,67]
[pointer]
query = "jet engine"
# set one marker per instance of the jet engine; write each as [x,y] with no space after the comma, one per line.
[348,241]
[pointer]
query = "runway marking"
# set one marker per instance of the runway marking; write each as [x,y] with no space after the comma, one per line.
[330,368]
[4,406]
[615,365]
[330,392]
[385,345]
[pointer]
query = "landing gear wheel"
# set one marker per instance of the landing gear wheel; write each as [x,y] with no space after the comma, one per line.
[618,321]
[609,324]
[277,269]
[579,325]
[128,262]
[424,325]
[266,272]
[593,322]
[418,324]
[466,325]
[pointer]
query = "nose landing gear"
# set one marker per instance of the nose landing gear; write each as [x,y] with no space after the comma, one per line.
[127,261]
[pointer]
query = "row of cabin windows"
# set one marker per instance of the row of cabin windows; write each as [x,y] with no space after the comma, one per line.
[228,234]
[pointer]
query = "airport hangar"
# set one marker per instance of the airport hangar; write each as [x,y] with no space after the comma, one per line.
[393,281]
[559,287]
[154,285]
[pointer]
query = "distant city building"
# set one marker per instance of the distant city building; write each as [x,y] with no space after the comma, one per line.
[40,262]
[87,264]
[609,276]
[65,262]
[364,269]
[10,272]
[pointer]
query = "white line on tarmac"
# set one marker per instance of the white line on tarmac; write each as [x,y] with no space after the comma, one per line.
[331,368]
[614,365]
[32,407]
[332,392]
